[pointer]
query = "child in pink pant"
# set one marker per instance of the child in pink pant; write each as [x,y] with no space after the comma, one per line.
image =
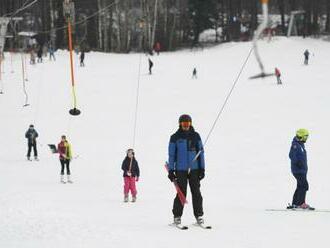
[131,174]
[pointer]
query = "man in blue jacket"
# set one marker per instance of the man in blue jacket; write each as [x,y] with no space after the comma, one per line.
[299,168]
[185,166]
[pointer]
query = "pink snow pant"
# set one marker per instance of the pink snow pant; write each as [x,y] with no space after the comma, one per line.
[129,186]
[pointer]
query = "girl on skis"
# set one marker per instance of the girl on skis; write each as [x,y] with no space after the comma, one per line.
[131,174]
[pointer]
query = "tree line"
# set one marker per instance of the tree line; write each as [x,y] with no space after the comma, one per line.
[137,25]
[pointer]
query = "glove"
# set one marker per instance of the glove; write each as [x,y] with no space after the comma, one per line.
[201,174]
[171,175]
[137,179]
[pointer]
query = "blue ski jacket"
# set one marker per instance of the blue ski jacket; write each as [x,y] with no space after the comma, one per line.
[182,149]
[298,157]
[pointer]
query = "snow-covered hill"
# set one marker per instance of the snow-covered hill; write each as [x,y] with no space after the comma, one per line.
[246,156]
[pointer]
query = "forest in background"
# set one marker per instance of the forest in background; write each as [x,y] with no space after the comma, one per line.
[137,25]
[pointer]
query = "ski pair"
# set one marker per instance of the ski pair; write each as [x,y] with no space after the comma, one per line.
[184,227]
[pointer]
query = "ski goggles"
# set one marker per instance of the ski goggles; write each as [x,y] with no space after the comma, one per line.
[185,124]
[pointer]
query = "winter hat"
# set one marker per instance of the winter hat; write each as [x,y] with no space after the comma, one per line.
[31,126]
[185,118]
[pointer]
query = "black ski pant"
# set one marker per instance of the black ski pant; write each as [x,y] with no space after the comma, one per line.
[30,146]
[182,180]
[65,163]
[302,187]
[279,81]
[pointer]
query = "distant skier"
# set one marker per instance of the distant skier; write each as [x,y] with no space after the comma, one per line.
[184,167]
[151,64]
[299,168]
[39,54]
[194,73]
[82,58]
[278,75]
[65,155]
[51,51]
[306,55]
[157,48]
[131,174]
[32,135]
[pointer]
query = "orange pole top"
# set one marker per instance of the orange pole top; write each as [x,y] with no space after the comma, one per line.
[264,1]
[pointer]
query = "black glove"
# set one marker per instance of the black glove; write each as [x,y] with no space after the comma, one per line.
[171,175]
[201,174]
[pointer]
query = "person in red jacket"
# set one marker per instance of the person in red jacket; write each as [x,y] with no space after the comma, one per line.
[157,48]
[278,75]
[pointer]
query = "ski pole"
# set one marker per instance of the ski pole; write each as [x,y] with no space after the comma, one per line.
[181,196]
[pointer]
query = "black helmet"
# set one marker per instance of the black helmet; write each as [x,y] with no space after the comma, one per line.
[184,118]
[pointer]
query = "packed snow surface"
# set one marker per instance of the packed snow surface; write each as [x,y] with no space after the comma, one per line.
[247,164]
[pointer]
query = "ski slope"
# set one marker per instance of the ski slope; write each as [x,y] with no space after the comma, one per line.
[247,165]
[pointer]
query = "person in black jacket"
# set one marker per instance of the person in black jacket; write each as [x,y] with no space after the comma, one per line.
[82,58]
[131,174]
[151,64]
[32,135]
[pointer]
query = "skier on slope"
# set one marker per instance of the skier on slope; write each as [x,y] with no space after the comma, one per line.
[299,168]
[184,167]
[82,58]
[278,75]
[31,134]
[151,64]
[306,55]
[131,174]
[65,155]
[194,73]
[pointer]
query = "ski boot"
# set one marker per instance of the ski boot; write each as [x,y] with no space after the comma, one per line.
[200,220]
[306,207]
[69,179]
[62,179]
[177,221]
[291,206]
[36,158]
[126,198]
[28,158]
[134,199]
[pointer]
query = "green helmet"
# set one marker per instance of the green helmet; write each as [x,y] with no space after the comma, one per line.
[302,134]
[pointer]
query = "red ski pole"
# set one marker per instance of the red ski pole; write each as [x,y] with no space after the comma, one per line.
[181,196]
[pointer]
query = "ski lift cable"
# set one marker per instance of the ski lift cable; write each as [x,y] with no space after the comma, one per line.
[137,102]
[225,103]
[24,6]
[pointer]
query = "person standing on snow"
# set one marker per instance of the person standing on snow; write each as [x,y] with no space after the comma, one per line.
[184,167]
[131,174]
[299,168]
[151,64]
[194,73]
[65,155]
[278,75]
[31,134]
[82,58]
[306,54]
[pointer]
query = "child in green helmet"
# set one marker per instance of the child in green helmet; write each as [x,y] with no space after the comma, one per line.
[299,168]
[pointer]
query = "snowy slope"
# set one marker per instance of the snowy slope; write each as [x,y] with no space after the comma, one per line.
[246,156]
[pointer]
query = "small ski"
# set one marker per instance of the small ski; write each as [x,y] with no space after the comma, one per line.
[298,210]
[203,226]
[179,226]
